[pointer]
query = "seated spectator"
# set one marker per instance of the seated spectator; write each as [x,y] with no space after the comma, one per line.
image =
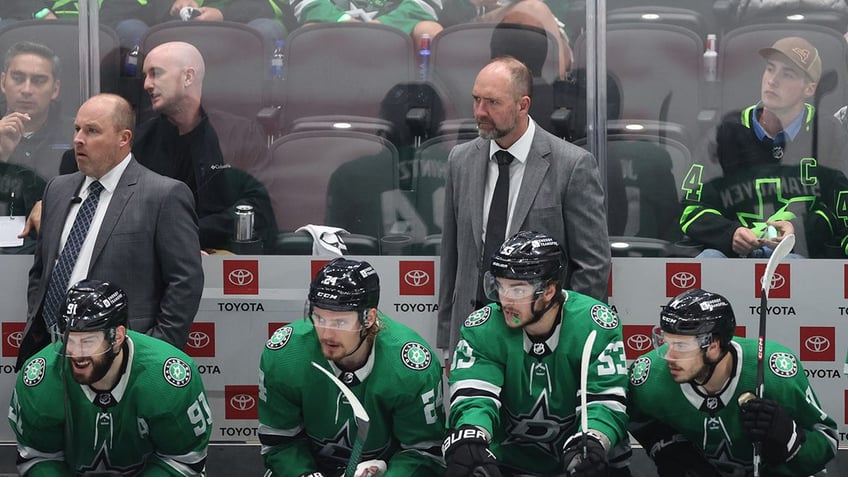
[778,168]
[414,17]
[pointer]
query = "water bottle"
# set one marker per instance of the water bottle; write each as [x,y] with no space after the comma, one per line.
[277,60]
[131,60]
[711,59]
[424,53]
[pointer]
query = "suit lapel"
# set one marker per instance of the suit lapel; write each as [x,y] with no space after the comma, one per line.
[534,173]
[120,198]
[479,163]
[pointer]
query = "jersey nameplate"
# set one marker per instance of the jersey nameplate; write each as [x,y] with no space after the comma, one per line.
[783,364]
[34,371]
[478,317]
[415,356]
[604,317]
[279,338]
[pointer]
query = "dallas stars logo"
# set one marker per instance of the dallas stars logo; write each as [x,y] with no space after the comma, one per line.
[640,370]
[478,317]
[757,221]
[34,371]
[102,465]
[338,447]
[538,427]
[604,317]
[415,356]
[177,372]
[783,364]
[279,338]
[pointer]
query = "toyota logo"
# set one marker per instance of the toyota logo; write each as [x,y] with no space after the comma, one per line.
[14,339]
[639,342]
[777,281]
[817,344]
[242,402]
[240,277]
[683,280]
[198,340]
[416,278]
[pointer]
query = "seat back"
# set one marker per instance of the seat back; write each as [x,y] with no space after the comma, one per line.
[343,69]
[62,36]
[338,178]
[237,65]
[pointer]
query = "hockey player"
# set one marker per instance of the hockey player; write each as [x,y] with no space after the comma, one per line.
[515,376]
[133,405]
[684,399]
[306,426]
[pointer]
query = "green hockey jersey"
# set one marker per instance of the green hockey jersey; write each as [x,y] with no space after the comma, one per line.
[526,395]
[713,424]
[156,421]
[306,425]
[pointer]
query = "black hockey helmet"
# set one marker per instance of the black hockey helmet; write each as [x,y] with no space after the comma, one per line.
[93,305]
[529,256]
[345,285]
[696,312]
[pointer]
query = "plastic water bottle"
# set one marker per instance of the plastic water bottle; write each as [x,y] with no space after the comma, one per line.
[131,61]
[277,58]
[711,59]
[424,53]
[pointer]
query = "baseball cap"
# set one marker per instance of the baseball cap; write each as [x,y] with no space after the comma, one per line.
[799,52]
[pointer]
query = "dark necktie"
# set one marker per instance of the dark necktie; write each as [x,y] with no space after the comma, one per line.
[498,214]
[58,287]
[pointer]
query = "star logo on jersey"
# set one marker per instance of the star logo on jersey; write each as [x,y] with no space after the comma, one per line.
[337,448]
[640,370]
[34,371]
[783,364]
[724,462]
[279,338]
[415,356]
[538,428]
[478,317]
[604,317]
[767,187]
[176,372]
[102,465]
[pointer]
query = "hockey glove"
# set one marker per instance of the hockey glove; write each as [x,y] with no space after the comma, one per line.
[595,462]
[766,421]
[466,452]
[682,459]
[370,468]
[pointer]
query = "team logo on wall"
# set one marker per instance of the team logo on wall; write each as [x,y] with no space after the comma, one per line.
[780,284]
[34,371]
[13,334]
[241,277]
[176,372]
[604,317]
[415,356]
[279,338]
[783,364]
[316,265]
[478,317]
[637,340]
[640,371]
[417,277]
[201,340]
[241,401]
[680,277]
[817,343]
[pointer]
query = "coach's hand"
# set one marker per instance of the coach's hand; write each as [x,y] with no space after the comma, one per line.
[766,421]
[466,452]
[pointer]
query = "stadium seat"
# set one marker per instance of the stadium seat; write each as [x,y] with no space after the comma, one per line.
[659,15]
[62,36]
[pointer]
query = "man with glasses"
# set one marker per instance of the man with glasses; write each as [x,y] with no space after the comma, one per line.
[107,401]
[306,426]
[515,374]
[685,399]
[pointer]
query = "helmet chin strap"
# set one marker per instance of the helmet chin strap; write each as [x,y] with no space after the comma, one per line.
[711,366]
[537,315]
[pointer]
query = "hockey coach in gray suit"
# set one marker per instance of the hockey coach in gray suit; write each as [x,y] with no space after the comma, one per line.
[553,187]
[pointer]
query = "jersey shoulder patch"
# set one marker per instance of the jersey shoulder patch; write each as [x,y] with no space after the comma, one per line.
[34,371]
[640,370]
[478,317]
[415,356]
[279,338]
[177,372]
[604,317]
[783,364]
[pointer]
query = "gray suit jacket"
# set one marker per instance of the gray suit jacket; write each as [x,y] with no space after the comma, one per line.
[147,245]
[561,195]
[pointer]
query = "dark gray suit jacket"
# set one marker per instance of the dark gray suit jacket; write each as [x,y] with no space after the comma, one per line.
[561,195]
[147,245]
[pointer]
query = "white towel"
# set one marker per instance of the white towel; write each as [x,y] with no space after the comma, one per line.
[326,241]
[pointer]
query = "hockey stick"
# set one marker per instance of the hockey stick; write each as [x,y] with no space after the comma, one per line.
[780,252]
[584,378]
[362,421]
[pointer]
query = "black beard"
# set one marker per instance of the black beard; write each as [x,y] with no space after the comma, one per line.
[100,366]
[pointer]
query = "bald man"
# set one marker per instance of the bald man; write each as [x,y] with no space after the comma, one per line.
[217,154]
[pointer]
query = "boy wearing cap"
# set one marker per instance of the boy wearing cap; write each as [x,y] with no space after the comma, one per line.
[782,169]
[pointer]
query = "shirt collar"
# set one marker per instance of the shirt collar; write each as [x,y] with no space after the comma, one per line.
[109,181]
[791,130]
